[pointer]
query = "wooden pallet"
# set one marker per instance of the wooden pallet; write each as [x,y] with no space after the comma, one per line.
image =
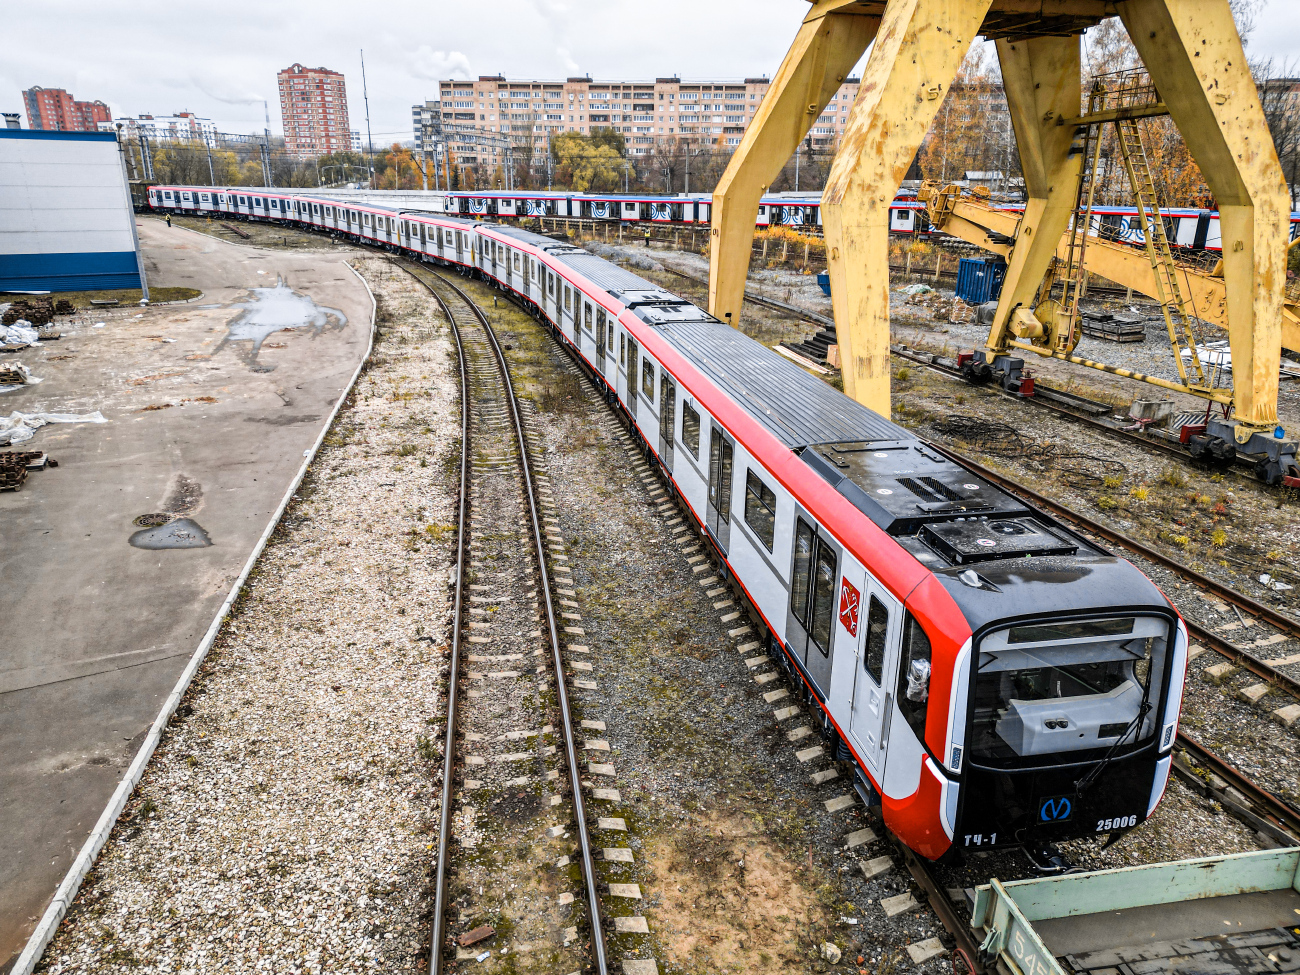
[1115,329]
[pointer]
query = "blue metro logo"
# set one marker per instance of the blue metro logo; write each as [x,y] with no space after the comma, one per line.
[1056,810]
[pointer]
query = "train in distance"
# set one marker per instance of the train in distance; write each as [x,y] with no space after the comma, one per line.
[992,678]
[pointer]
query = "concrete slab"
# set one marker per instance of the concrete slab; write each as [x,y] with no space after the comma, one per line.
[1287,716]
[631,925]
[1253,693]
[109,627]
[899,904]
[1219,671]
[877,867]
[923,951]
[858,837]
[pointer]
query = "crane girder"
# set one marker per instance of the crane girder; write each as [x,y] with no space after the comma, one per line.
[1194,55]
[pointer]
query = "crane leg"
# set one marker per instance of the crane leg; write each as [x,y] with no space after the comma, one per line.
[1041,77]
[1195,57]
[829,43]
[918,50]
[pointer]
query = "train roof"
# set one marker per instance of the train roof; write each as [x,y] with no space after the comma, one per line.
[798,408]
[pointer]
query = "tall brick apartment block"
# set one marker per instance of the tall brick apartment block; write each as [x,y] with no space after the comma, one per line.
[314,108]
[479,117]
[54,110]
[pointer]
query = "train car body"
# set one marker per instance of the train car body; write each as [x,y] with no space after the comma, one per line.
[994,679]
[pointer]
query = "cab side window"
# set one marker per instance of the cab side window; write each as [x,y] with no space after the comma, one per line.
[914,675]
[873,662]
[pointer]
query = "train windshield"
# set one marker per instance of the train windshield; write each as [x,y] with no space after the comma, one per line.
[1043,688]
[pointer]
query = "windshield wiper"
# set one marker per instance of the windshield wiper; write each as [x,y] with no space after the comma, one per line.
[1085,783]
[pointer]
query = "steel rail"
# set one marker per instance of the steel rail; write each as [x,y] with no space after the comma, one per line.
[1239,467]
[570,743]
[449,739]
[1215,642]
[922,871]
[1282,812]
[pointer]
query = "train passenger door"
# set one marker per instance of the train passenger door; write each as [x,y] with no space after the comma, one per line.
[877,647]
[632,367]
[718,508]
[814,586]
[667,419]
[527,277]
[600,339]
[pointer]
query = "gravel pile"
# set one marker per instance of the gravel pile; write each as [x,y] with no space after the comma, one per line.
[286,819]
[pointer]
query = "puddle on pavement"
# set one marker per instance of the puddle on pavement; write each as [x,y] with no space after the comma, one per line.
[272,310]
[181,533]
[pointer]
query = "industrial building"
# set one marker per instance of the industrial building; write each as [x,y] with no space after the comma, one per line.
[314,109]
[67,223]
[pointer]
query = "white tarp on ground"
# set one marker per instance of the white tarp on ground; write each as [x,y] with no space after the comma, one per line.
[19,333]
[21,427]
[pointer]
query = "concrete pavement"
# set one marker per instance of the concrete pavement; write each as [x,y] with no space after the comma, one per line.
[210,408]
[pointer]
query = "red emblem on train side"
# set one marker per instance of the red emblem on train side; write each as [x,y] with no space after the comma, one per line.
[850,603]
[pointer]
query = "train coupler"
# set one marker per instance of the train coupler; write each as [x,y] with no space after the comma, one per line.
[1047,859]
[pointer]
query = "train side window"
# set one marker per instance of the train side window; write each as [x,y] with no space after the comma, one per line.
[550,284]
[516,262]
[803,546]
[568,295]
[600,321]
[622,347]
[914,675]
[667,408]
[760,508]
[823,597]
[586,314]
[648,379]
[691,430]
[877,630]
[721,455]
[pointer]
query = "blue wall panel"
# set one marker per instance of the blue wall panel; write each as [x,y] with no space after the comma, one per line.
[69,272]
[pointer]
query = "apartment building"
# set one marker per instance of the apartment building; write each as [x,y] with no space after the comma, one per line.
[480,119]
[181,127]
[314,111]
[426,118]
[54,110]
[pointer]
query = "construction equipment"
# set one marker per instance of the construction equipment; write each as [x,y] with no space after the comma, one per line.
[1195,62]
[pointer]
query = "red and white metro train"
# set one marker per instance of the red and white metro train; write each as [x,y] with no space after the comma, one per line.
[995,679]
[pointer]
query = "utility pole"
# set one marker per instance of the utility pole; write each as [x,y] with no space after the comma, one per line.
[370,142]
[424,150]
[147,156]
[796,166]
[688,167]
[266,146]
[212,173]
[135,238]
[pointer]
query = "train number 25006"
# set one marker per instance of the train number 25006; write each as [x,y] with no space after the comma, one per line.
[1119,822]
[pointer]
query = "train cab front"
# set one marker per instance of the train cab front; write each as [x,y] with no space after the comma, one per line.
[1069,714]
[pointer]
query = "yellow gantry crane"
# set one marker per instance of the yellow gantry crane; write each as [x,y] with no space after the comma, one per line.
[1194,58]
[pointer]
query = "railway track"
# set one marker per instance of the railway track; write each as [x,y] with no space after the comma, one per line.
[1242,468]
[504,626]
[497,416]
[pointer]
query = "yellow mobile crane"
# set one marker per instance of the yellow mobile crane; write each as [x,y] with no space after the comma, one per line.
[1196,73]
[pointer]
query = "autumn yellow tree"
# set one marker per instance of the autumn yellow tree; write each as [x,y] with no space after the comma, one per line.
[585,163]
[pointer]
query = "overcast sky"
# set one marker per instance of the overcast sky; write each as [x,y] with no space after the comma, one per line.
[220,61]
